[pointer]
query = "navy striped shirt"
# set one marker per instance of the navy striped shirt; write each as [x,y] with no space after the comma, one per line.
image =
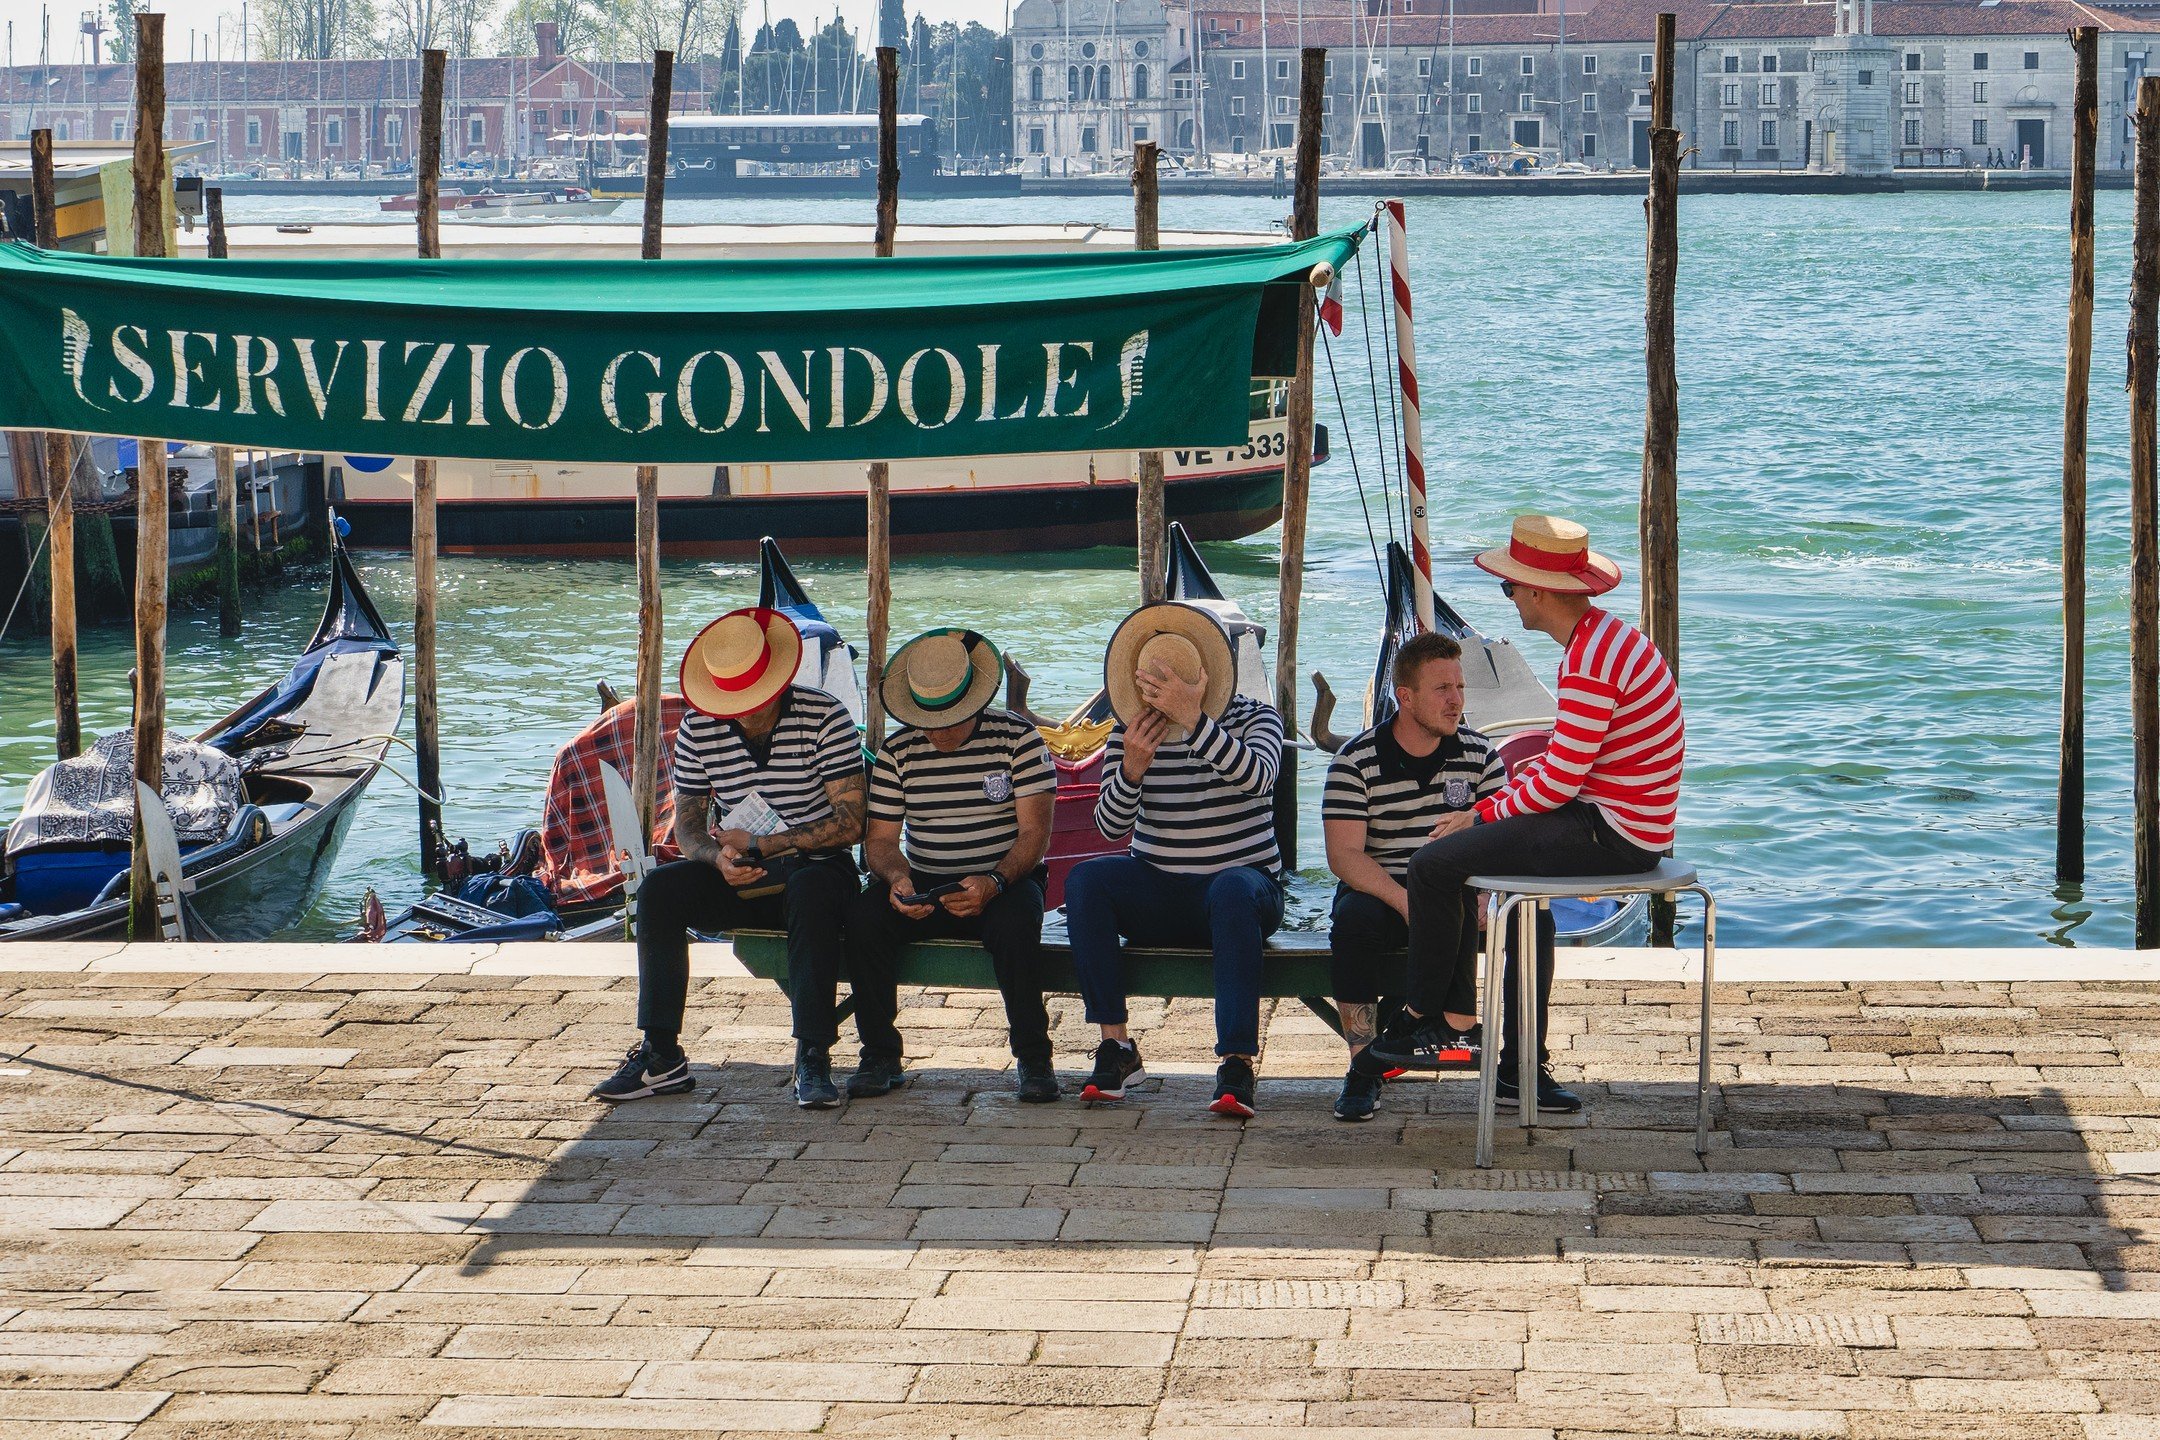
[812,743]
[959,806]
[1207,803]
[1401,797]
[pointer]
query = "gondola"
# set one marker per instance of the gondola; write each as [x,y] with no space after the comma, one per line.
[556,881]
[1509,705]
[305,748]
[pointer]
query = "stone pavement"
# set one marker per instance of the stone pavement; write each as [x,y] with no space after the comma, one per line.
[372,1205]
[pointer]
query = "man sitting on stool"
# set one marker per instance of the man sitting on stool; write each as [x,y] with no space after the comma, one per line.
[973,791]
[782,765]
[1601,800]
[1189,772]
[1385,792]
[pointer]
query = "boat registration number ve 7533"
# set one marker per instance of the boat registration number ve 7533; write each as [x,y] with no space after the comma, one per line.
[1261,446]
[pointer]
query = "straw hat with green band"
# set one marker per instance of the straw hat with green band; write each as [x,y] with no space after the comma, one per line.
[942,677]
[1183,639]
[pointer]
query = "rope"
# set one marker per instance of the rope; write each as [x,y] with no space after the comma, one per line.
[23,589]
[1327,345]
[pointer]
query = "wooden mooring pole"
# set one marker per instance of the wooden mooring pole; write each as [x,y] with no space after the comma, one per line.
[651,626]
[878,622]
[1297,457]
[1660,506]
[153,515]
[59,492]
[2077,388]
[427,737]
[1148,477]
[2144,510]
[228,489]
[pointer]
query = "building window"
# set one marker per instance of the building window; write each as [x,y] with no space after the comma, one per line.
[1912,130]
[1424,67]
[333,131]
[1237,105]
[1477,142]
[1769,92]
[1473,104]
[1072,82]
[1139,82]
[1424,104]
[1035,140]
[1526,102]
[1327,70]
[1139,133]
[1529,66]
[1035,52]
[1912,92]
[1035,85]
[254,132]
[199,131]
[1087,51]
[1979,92]
[1282,105]
[119,129]
[1237,69]
[475,130]
[1589,64]
[393,130]
[1769,64]
[1732,64]
[1642,99]
[1282,69]
[1087,139]
[1729,93]
[1327,105]
[1980,59]
[1646,64]
[1864,79]
[1912,60]
[67,131]
[1979,132]
[1237,145]
[1476,66]
[1181,87]
[1589,147]
[1372,104]
[1732,134]
[1589,102]
[1769,134]
[2032,59]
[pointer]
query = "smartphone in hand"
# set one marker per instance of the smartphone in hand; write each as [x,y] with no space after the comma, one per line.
[934,894]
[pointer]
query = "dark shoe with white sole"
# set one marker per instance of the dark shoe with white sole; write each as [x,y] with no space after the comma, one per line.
[643,1074]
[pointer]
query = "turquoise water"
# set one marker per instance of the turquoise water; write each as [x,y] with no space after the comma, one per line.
[1870,458]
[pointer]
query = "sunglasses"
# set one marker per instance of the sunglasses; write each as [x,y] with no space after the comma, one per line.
[1507,588]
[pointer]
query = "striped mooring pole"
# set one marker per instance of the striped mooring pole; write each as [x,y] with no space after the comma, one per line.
[1413,431]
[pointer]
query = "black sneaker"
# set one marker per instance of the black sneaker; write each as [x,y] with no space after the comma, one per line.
[1551,1094]
[813,1079]
[1234,1088]
[643,1074]
[1360,1095]
[1117,1064]
[1038,1082]
[1433,1044]
[876,1075]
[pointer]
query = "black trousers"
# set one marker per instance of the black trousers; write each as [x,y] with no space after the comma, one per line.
[1366,934]
[1572,840]
[692,895]
[1009,927]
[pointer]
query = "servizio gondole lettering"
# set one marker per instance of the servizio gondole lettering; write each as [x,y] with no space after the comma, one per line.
[130,368]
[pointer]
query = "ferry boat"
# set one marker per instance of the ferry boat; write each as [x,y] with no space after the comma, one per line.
[516,204]
[985,504]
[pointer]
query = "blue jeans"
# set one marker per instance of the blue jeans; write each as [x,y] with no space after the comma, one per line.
[1231,912]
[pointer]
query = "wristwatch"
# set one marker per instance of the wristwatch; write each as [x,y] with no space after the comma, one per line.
[753,854]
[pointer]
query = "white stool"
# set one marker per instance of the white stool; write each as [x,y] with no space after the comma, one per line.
[1519,898]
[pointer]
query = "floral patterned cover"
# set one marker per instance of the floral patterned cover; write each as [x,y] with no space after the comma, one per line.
[91,799]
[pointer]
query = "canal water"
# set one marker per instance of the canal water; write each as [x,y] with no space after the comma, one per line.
[1869,468]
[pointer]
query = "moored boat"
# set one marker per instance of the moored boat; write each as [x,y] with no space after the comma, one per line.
[304,749]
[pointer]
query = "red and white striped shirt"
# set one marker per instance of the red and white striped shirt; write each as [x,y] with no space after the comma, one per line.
[1618,741]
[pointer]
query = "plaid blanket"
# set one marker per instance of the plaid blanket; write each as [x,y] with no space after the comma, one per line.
[576,862]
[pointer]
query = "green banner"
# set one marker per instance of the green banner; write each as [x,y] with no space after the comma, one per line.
[727,361]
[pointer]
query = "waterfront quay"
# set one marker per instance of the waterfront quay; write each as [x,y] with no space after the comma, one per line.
[300,1190]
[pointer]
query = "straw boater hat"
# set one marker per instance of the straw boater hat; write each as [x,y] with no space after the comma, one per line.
[1185,640]
[1548,553]
[941,677]
[740,662]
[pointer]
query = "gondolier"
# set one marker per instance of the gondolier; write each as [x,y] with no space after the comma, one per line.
[768,803]
[1189,773]
[1385,791]
[971,790]
[1601,800]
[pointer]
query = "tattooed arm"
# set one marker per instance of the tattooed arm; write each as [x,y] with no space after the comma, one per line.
[837,831]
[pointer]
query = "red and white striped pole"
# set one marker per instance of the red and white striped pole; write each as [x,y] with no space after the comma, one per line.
[1413,432]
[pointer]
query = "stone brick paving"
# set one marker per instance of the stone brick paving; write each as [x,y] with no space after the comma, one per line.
[380,1205]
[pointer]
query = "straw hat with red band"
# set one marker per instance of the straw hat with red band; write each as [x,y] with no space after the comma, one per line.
[1548,553]
[740,662]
